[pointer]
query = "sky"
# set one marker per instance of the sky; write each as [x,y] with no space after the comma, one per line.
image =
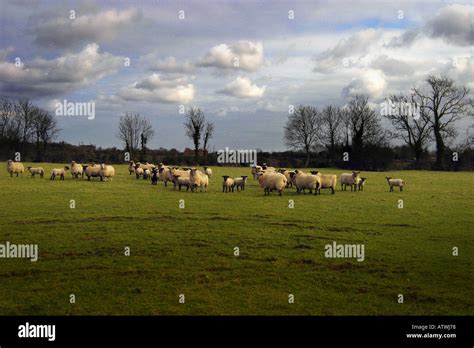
[242,62]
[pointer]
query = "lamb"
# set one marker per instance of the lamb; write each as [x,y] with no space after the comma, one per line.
[59,172]
[272,181]
[362,183]
[240,182]
[92,170]
[198,179]
[255,170]
[228,184]
[180,181]
[208,171]
[76,170]
[34,171]
[350,179]
[131,167]
[154,176]
[327,181]
[395,182]
[15,167]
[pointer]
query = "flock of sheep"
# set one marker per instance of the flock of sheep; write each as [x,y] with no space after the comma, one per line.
[269,178]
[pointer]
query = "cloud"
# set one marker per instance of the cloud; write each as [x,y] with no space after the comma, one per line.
[5,52]
[406,39]
[63,32]
[392,66]
[41,77]
[168,65]
[155,89]
[355,45]
[243,55]
[242,87]
[370,83]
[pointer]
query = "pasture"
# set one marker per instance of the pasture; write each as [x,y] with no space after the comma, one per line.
[190,251]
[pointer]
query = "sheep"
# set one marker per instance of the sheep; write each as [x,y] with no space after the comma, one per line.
[307,181]
[154,176]
[92,170]
[228,184]
[34,171]
[131,167]
[15,167]
[267,168]
[350,179]
[272,181]
[182,173]
[59,172]
[362,183]
[146,174]
[327,181]
[76,170]
[395,182]
[180,181]
[165,175]
[240,182]
[287,174]
[138,171]
[198,179]
[144,166]
[255,170]
[208,171]
[106,172]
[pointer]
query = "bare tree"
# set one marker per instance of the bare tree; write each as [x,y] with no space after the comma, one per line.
[194,125]
[364,124]
[332,122]
[444,103]
[410,122]
[133,128]
[45,129]
[208,133]
[302,128]
[26,113]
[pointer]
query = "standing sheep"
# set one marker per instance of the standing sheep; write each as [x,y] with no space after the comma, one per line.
[15,167]
[228,184]
[208,171]
[255,170]
[350,179]
[198,179]
[395,182]
[106,172]
[154,176]
[131,167]
[272,181]
[180,181]
[240,182]
[34,171]
[76,170]
[92,170]
[59,172]
[327,181]
[362,183]
[165,175]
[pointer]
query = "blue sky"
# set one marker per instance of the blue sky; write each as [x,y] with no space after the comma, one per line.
[329,52]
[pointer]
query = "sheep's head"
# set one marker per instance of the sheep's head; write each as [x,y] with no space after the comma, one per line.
[244,177]
[362,180]
[137,165]
[102,166]
[29,167]
[66,168]
[9,162]
[205,168]
[388,177]
[225,177]
[314,172]
[292,174]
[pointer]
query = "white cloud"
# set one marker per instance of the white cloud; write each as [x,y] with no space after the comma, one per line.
[155,89]
[243,55]
[168,65]
[242,87]
[370,83]
[41,77]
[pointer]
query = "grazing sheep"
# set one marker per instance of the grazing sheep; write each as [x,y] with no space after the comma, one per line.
[208,171]
[362,183]
[34,171]
[180,181]
[240,182]
[106,172]
[395,182]
[255,170]
[15,167]
[198,179]
[131,167]
[350,179]
[76,170]
[92,170]
[327,181]
[59,172]
[228,184]
[154,176]
[272,181]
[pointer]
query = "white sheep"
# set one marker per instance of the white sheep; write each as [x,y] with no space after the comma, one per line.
[131,167]
[146,174]
[288,176]
[180,181]
[198,179]
[106,172]
[306,181]
[240,182]
[352,179]
[165,175]
[327,181]
[59,172]
[15,168]
[228,184]
[92,170]
[76,170]
[177,172]
[37,170]
[208,171]
[362,183]
[272,181]
[395,182]
[255,170]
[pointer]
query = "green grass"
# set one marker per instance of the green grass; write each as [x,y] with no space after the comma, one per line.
[407,251]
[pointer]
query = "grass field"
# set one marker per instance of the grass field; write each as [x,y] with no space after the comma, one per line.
[190,251]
